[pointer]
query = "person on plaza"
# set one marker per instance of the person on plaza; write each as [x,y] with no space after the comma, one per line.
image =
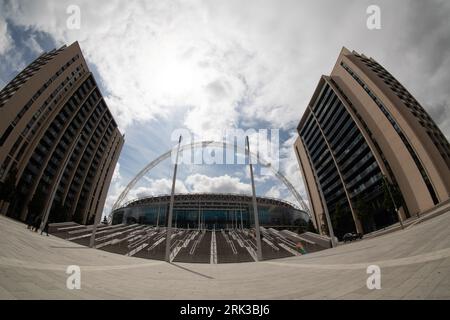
[30,220]
[37,223]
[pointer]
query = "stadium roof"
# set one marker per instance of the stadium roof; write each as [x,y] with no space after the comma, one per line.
[186,197]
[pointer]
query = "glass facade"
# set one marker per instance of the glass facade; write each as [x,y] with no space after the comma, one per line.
[65,107]
[209,213]
[344,164]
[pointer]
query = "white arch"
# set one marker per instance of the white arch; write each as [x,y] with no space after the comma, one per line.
[204,144]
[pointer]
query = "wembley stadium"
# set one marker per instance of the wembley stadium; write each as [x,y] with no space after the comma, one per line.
[207,228]
[210,211]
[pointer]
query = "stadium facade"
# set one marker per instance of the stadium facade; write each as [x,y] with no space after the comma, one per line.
[210,211]
[369,153]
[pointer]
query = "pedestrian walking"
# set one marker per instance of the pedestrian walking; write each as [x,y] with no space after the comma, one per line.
[37,223]
[30,220]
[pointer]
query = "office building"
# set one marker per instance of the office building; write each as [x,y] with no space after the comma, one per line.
[368,151]
[56,131]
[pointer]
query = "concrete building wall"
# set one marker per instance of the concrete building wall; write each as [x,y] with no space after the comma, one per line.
[314,200]
[98,197]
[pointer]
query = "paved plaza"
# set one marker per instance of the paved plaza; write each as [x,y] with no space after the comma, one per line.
[414,262]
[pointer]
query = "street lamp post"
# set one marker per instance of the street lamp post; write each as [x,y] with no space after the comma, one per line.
[393,201]
[172,197]
[94,231]
[255,207]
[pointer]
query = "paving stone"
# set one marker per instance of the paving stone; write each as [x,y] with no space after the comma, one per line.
[415,264]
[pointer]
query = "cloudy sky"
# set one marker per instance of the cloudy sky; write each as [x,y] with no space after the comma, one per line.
[212,65]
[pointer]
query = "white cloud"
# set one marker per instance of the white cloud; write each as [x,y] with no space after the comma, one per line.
[221,184]
[5,37]
[164,186]
[221,63]
[206,60]
[217,64]
[146,187]
[34,46]
[157,187]
[273,192]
